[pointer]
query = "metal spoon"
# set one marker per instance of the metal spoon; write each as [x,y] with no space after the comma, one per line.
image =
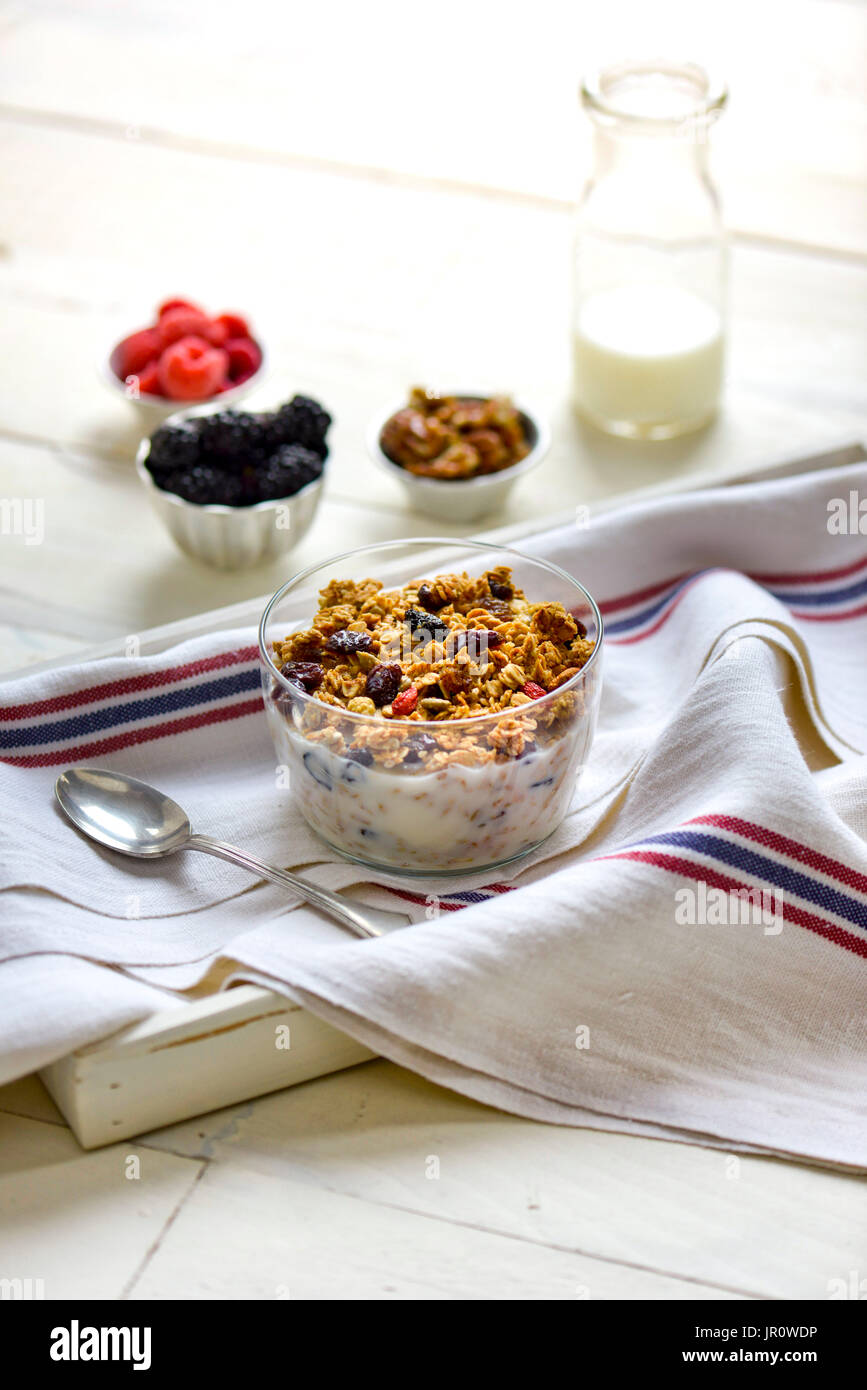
[129,816]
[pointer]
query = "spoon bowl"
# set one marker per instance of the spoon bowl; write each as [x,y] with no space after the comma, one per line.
[122,813]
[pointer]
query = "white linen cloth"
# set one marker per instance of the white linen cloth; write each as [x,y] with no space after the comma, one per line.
[730,755]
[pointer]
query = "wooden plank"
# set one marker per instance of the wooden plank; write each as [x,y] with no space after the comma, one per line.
[244,1234]
[483,100]
[80,1223]
[244,1042]
[763,1226]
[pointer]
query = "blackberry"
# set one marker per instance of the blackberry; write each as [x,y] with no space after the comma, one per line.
[234,440]
[174,448]
[286,472]
[205,486]
[437,628]
[301,421]
[346,643]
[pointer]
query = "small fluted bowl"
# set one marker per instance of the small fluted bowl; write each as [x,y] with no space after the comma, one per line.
[153,410]
[230,538]
[463,499]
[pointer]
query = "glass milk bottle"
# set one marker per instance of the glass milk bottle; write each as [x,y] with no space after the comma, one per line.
[650,256]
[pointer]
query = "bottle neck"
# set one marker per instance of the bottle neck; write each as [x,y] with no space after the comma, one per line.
[649,157]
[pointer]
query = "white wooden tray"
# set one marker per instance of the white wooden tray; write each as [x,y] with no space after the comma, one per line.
[219,1048]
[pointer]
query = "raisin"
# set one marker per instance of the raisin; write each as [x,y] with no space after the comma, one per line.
[429,600]
[346,643]
[383,683]
[498,608]
[360,755]
[418,744]
[307,675]
[436,627]
[582,631]
[478,641]
[503,591]
[534,690]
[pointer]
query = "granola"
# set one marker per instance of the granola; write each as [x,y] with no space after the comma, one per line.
[452,438]
[452,647]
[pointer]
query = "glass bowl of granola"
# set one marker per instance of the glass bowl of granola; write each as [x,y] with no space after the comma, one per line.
[457,455]
[432,702]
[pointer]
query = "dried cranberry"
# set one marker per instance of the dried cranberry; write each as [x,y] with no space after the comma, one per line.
[404,704]
[418,744]
[503,591]
[383,683]
[307,675]
[360,755]
[429,600]
[345,643]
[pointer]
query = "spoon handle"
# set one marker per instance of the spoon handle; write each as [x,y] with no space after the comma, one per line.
[342,911]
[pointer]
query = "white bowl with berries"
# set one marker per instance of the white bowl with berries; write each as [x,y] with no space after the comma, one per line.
[237,488]
[185,357]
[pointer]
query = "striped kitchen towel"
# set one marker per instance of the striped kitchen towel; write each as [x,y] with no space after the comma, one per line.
[684,957]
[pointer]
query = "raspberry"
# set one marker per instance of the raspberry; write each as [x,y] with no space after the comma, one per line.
[205,486]
[149,380]
[234,325]
[534,691]
[346,643]
[134,353]
[176,304]
[245,358]
[180,323]
[382,684]
[192,370]
[405,703]
[307,675]
[216,332]
[174,448]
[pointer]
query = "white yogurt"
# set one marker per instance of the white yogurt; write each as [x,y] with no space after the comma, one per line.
[647,359]
[455,818]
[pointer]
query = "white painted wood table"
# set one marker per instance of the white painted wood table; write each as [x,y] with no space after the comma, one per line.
[387,193]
